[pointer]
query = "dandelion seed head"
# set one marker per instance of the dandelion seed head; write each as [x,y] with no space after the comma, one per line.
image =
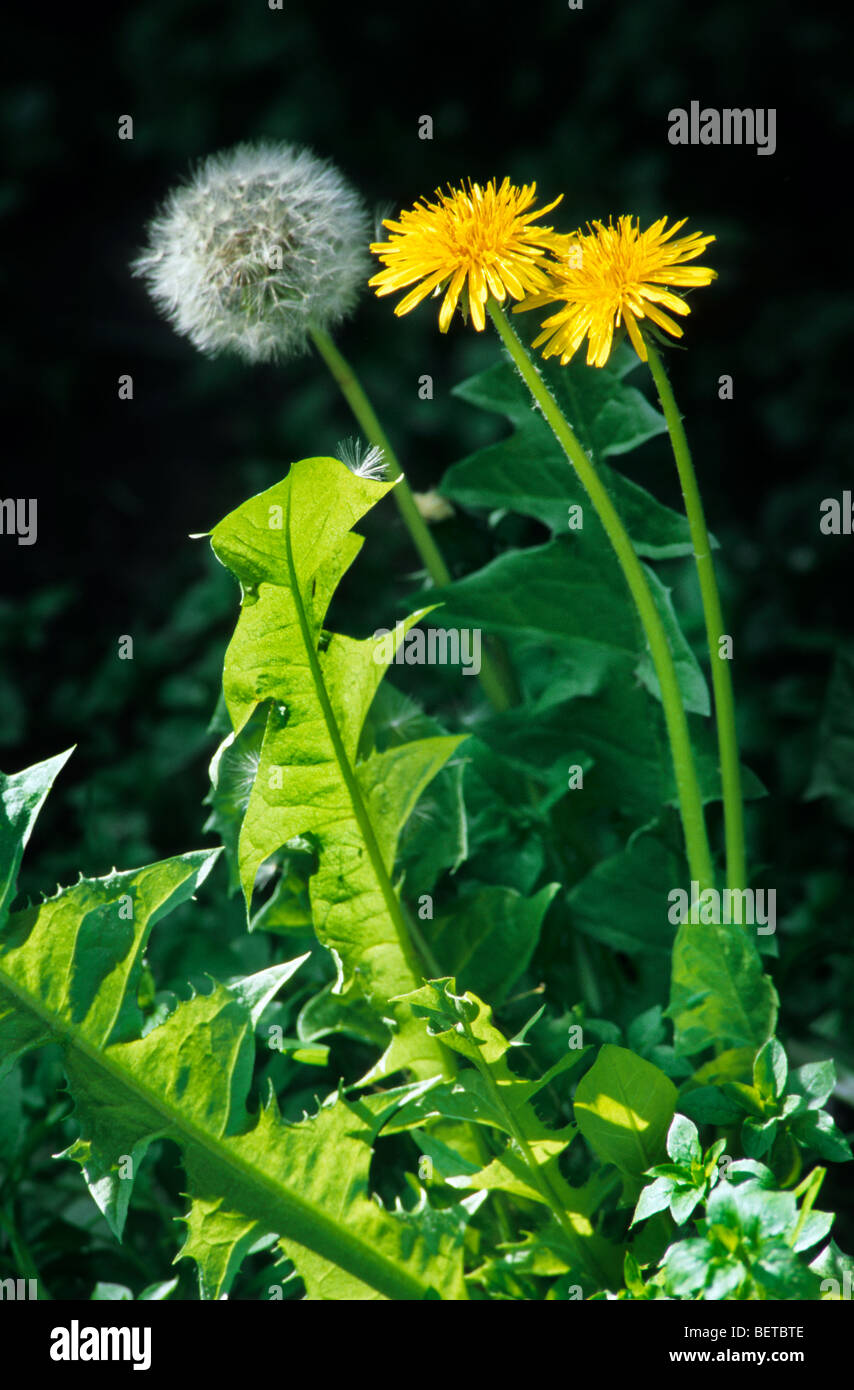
[258,244]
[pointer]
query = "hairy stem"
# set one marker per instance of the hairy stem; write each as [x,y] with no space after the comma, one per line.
[688,788]
[736,871]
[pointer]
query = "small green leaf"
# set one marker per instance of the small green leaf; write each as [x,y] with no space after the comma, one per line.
[683,1141]
[684,1202]
[770,1070]
[622,902]
[818,1131]
[815,1081]
[758,1136]
[624,1106]
[655,1197]
[815,1228]
[111,1293]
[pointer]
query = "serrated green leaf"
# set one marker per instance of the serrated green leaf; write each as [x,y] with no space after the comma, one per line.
[21,798]
[528,473]
[573,593]
[623,900]
[307,1183]
[289,547]
[342,1242]
[490,1093]
[719,994]
[78,956]
[68,976]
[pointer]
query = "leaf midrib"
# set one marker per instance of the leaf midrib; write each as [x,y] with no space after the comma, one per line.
[367,1265]
[354,791]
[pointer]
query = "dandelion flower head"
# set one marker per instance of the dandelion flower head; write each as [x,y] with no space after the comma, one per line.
[618,275]
[471,242]
[259,244]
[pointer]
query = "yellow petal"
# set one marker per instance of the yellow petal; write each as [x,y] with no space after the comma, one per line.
[449,304]
[420,292]
[636,336]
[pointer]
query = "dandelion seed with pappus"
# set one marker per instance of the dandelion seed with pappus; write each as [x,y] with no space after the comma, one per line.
[259,246]
[363,460]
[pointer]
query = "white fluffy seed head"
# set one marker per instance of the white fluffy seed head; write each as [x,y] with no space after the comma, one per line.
[259,243]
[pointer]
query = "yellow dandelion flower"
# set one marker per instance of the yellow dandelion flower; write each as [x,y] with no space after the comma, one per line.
[618,275]
[475,242]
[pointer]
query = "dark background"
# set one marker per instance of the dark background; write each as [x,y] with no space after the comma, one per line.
[576,100]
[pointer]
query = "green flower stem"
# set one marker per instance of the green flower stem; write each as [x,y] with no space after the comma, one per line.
[354,394]
[690,800]
[721,676]
[494,685]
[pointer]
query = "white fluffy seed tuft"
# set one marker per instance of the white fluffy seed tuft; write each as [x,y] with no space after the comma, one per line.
[261,243]
[365,462]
